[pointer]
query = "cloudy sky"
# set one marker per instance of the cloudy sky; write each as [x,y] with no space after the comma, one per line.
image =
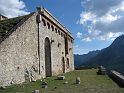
[93,23]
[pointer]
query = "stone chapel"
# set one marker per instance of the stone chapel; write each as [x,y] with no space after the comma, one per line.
[34,46]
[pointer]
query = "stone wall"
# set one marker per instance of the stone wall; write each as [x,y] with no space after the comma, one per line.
[117,77]
[18,53]
[57,52]
[22,58]
[3,17]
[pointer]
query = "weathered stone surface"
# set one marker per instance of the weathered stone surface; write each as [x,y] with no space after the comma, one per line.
[78,80]
[101,70]
[22,56]
[36,91]
[2,87]
[45,86]
[118,77]
[61,77]
[66,82]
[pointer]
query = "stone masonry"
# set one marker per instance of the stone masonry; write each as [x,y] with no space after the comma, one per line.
[3,17]
[37,47]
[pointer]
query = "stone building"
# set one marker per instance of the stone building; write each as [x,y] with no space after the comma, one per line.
[34,46]
[3,17]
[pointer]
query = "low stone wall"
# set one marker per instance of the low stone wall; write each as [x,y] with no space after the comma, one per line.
[117,77]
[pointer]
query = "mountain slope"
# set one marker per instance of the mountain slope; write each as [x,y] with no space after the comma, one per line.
[79,59]
[111,57]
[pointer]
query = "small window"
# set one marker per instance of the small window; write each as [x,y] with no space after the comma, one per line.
[67,63]
[59,32]
[62,34]
[52,27]
[48,25]
[71,41]
[56,30]
[44,22]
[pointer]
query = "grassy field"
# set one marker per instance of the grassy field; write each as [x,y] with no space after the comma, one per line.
[90,83]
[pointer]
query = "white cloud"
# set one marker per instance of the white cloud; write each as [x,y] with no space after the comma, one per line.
[108,18]
[87,39]
[103,19]
[122,6]
[78,50]
[12,8]
[110,36]
[79,35]
[86,16]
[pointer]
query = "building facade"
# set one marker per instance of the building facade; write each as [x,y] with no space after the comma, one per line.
[35,47]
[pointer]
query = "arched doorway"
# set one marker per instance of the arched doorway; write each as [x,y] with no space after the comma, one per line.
[63,64]
[48,58]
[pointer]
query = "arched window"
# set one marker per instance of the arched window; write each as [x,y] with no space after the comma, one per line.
[48,25]
[67,63]
[52,27]
[44,22]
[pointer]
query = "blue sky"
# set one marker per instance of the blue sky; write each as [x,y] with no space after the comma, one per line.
[94,24]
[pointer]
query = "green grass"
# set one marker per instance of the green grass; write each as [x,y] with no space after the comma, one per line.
[90,83]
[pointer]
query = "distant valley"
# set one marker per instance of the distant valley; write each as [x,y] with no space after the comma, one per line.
[111,57]
[81,59]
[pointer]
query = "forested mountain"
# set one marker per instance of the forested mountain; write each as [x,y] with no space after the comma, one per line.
[79,59]
[111,57]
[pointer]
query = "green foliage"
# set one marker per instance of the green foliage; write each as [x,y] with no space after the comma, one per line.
[6,25]
[90,83]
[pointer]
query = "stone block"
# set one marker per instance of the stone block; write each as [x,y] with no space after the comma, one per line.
[61,77]
[66,82]
[36,91]
[2,87]
[101,70]
[78,80]
[45,86]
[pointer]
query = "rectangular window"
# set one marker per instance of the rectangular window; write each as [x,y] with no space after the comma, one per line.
[56,30]
[48,25]
[59,32]
[52,27]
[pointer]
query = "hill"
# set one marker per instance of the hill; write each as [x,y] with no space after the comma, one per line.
[79,59]
[111,57]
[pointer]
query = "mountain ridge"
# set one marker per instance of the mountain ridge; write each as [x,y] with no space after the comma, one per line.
[79,59]
[111,57]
